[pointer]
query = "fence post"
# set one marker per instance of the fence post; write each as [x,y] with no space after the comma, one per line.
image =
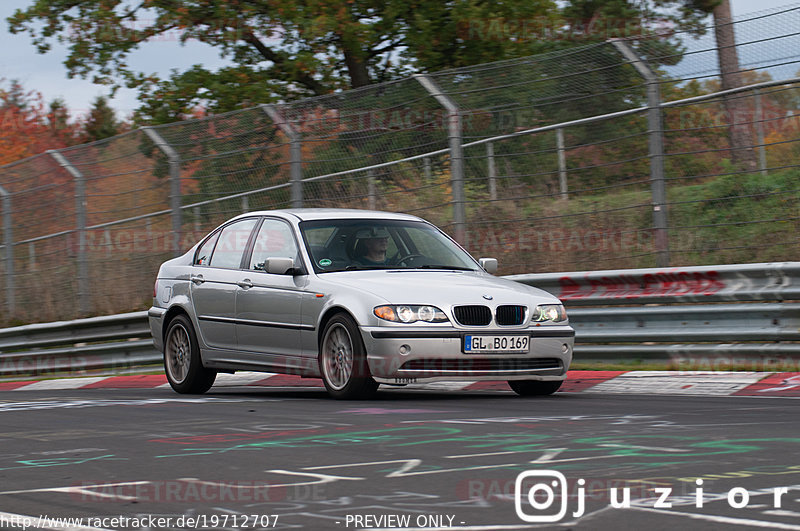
[562,163]
[174,160]
[84,304]
[295,152]
[492,171]
[372,192]
[148,228]
[759,119]
[8,243]
[456,154]
[656,149]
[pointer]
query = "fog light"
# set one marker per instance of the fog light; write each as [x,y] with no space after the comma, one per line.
[404,350]
[564,348]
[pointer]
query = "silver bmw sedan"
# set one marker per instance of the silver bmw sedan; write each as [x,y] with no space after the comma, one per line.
[355,297]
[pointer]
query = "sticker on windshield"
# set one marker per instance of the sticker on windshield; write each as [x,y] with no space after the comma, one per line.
[325,262]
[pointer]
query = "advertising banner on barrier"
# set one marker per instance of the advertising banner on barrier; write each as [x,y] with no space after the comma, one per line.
[777,281]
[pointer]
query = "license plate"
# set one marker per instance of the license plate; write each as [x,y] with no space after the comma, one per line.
[478,344]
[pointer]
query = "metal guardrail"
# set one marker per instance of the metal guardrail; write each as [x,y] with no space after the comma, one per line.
[718,316]
[778,281]
[734,315]
[109,342]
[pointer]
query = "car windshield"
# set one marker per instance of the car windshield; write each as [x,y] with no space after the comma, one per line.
[361,244]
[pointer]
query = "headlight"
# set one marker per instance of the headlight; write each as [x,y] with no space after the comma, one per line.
[550,312]
[410,314]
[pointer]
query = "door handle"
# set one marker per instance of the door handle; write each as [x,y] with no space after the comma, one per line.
[197,279]
[246,283]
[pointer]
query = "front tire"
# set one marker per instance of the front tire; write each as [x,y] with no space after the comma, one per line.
[343,360]
[185,371]
[534,387]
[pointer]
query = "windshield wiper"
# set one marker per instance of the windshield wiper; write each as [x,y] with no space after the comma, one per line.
[439,266]
[367,267]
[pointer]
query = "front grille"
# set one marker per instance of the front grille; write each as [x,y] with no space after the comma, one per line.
[473,315]
[510,315]
[472,365]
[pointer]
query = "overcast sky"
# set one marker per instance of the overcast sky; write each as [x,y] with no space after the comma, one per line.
[47,74]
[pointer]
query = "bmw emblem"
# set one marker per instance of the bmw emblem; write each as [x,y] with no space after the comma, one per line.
[488,297]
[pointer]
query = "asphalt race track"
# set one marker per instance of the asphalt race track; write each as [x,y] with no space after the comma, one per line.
[291,458]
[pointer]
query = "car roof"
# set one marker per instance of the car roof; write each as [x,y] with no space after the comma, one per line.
[308,214]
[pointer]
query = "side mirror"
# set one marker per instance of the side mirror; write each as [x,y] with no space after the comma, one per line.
[279,265]
[489,265]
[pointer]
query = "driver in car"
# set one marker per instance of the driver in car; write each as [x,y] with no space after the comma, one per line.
[371,246]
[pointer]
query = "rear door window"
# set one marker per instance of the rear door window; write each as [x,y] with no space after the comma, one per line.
[232,244]
[203,256]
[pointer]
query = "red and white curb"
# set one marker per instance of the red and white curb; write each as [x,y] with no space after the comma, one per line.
[705,383]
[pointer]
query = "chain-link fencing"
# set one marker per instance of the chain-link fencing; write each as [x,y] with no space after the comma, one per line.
[625,154]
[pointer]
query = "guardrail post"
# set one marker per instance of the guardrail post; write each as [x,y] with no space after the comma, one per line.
[656,148]
[8,243]
[174,160]
[295,152]
[84,304]
[456,154]
[492,171]
[759,119]
[562,163]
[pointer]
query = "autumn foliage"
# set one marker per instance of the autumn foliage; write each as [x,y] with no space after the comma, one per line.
[28,126]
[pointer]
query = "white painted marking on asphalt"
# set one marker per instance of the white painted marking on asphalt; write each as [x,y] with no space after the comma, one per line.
[707,383]
[71,403]
[781,512]
[241,378]
[732,376]
[655,448]
[441,386]
[84,490]
[61,383]
[233,380]
[481,455]
[722,519]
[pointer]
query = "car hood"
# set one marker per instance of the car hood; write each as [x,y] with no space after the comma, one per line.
[439,287]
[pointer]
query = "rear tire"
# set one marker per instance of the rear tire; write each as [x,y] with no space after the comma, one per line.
[182,364]
[534,387]
[343,360]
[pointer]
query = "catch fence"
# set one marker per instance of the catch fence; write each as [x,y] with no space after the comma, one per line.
[607,156]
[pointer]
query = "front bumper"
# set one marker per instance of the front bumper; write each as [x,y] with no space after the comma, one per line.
[409,355]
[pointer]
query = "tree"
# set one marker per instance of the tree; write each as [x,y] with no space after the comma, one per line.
[101,122]
[28,127]
[58,116]
[282,49]
[741,140]
[16,97]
